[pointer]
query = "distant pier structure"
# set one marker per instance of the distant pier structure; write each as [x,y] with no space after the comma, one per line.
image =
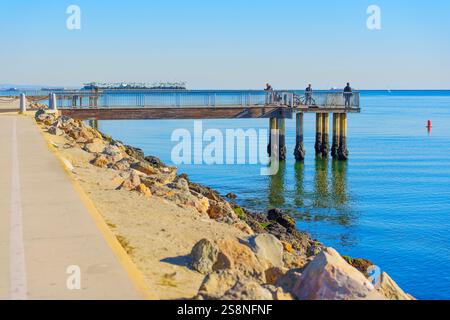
[277,106]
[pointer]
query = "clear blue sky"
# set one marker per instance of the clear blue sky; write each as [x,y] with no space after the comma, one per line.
[228,44]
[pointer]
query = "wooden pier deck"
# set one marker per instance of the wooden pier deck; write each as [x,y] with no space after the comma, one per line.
[172,113]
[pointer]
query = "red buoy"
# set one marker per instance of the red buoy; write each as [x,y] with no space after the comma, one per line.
[429,124]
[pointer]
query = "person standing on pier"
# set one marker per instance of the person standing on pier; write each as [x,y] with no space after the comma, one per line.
[308,95]
[269,94]
[348,93]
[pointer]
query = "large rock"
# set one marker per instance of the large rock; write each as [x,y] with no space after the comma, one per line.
[217,283]
[180,184]
[186,199]
[278,293]
[293,260]
[154,161]
[232,285]
[131,183]
[391,290]
[247,290]
[159,191]
[300,241]
[136,153]
[205,191]
[287,247]
[235,255]
[39,115]
[144,167]
[96,146]
[273,274]
[54,130]
[202,205]
[101,161]
[144,190]
[289,280]
[359,263]
[244,227]
[257,221]
[88,134]
[64,122]
[113,151]
[121,165]
[204,256]
[220,209]
[268,247]
[42,116]
[330,277]
[160,179]
[282,218]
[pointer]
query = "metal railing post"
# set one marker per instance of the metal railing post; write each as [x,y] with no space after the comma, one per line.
[23,103]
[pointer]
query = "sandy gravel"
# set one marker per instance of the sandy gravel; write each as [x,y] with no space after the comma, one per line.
[158,234]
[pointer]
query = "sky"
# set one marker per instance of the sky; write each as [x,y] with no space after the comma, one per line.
[233,44]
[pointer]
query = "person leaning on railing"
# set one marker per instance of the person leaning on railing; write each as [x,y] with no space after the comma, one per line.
[348,93]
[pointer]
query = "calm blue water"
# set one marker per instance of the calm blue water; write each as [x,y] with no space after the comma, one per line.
[389,203]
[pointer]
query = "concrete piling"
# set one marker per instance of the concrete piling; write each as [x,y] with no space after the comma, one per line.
[318,144]
[335,146]
[280,125]
[93,123]
[343,150]
[282,132]
[325,135]
[299,151]
[273,123]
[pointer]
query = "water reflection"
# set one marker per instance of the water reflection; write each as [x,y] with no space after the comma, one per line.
[299,184]
[277,187]
[324,198]
[339,182]
[321,194]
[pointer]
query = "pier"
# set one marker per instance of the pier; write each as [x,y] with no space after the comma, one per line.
[277,106]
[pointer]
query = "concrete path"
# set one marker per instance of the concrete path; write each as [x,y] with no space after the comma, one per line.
[47,235]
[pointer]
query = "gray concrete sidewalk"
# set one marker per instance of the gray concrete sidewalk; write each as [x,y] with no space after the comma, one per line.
[45,230]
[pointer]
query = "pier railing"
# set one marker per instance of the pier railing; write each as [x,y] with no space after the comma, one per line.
[193,98]
[335,99]
[164,99]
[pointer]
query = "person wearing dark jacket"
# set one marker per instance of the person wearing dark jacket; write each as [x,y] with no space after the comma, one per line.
[348,93]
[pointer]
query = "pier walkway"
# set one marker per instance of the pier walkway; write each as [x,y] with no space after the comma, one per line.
[276,106]
[46,230]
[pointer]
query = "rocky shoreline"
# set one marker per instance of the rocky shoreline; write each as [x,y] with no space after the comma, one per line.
[273,260]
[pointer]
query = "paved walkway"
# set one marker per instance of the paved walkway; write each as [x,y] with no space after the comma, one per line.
[46,233]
